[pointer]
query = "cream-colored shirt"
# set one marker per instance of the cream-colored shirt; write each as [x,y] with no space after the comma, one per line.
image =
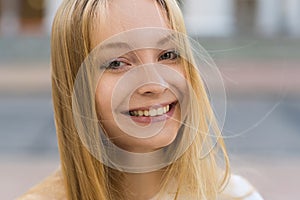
[238,188]
[52,188]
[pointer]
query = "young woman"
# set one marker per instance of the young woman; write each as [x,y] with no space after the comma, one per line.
[132,115]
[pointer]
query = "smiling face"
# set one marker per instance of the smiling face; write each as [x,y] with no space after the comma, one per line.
[137,96]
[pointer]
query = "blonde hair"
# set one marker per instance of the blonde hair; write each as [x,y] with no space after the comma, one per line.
[87,178]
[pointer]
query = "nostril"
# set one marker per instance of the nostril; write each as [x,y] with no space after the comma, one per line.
[149,93]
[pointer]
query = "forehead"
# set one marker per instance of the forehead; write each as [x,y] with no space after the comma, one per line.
[124,15]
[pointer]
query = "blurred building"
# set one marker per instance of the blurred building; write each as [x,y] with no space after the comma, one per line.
[26,16]
[243,17]
[217,18]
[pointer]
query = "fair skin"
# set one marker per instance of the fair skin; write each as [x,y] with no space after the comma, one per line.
[124,15]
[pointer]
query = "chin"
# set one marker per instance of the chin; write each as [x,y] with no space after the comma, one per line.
[164,138]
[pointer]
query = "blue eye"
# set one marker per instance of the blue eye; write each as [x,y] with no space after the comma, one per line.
[169,55]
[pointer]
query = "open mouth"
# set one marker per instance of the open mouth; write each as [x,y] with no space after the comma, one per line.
[152,114]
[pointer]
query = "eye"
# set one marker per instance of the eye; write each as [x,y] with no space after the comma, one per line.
[169,55]
[116,65]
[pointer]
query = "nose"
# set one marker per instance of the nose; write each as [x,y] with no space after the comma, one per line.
[154,82]
[151,89]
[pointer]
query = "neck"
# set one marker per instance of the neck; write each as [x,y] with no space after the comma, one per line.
[141,186]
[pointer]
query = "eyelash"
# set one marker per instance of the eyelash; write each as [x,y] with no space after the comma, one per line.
[110,65]
[124,64]
[174,55]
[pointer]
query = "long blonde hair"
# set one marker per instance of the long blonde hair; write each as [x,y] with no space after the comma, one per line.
[84,176]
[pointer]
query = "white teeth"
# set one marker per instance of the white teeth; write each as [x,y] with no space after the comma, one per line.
[165,109]
[160,111]
[141,113]
[146,113]
[152,112]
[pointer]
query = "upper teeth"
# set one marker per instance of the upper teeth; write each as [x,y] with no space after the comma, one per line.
[152,112]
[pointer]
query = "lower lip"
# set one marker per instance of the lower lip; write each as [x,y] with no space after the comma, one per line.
[148,120]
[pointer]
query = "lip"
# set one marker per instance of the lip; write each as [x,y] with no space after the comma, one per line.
[149,119]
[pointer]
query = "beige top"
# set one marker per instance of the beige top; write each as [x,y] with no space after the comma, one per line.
[52,188]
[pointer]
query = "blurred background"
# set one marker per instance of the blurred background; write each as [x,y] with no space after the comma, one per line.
[256,46]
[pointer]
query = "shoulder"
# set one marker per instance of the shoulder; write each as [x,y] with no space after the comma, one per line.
[50,188]
[239,188]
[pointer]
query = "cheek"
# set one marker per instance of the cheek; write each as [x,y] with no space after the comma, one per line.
[178,79]
[103,98]
[181,69]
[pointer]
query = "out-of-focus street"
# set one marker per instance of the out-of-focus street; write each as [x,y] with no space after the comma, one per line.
[255,45]
[262,126]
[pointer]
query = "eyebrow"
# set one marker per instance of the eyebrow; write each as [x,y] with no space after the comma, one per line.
[112,45]
[165,39]
[124,45]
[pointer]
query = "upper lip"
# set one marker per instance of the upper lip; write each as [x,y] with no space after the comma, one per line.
[152,106]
